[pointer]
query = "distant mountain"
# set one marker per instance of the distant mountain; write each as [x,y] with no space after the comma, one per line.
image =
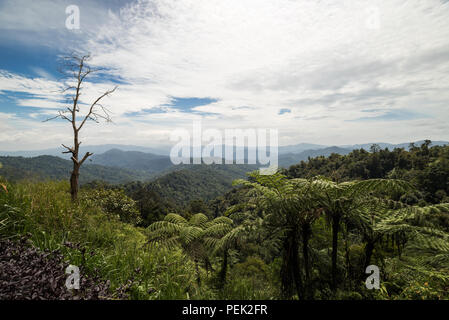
[96,149]
[155,164]
[286,160]
[181,183]
[120,164]
[133,160]
[298,148]
[55,168]
[391,146]
[165,150]
[196,182]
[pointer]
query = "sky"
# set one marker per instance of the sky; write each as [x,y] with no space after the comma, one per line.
[331,72]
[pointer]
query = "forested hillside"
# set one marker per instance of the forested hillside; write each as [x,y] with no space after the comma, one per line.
[425,166]
[133,160]
[288,159]
[190,182]
[308,232]
[55,168]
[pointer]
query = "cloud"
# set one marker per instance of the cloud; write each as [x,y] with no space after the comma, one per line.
[42,23]
[324,61]
[42,73]
[266,54]
[393,115]
[34,86]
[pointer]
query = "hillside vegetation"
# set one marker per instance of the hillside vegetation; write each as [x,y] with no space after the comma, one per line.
[307,232]
[55,168]
[425,166]
[133,160]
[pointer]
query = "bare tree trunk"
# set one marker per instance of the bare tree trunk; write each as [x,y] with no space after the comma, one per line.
[74,182]
[74,178]
[286,274]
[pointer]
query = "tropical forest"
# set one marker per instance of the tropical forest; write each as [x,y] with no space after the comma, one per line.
[305,232]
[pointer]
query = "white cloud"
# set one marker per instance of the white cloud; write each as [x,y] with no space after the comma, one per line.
[39,87]
[323,60]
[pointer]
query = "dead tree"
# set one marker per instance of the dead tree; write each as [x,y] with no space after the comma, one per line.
[76,67]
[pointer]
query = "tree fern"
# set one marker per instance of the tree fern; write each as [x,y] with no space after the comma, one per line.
[196,236]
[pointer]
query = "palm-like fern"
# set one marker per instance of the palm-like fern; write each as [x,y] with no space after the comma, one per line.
[425,237]
[293,204]
[222,237]
[346,199]
[190,235]
[289,210]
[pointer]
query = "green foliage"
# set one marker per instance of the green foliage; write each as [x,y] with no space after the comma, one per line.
[198,206]
[368,214]
[114,202]
[251,279]
[195,235]
[304,233]
[55,168]
[109,247]
[189,183]
[427,168]
[253,266]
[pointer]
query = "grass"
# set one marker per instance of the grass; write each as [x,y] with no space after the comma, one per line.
[101,243]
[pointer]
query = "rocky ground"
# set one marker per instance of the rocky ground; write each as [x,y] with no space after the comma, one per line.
[27,273]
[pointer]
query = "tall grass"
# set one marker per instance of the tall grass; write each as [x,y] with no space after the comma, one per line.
[89,237]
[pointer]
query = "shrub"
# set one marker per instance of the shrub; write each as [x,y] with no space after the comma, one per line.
[114,202]
[252,267]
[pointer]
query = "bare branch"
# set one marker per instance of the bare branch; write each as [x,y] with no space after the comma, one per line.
[87,155]
[92,111]
[68,88]
[52,118]
[70,150]
[60,115]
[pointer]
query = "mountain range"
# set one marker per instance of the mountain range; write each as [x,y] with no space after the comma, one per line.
[123,164]
[165,150]
[55,168]
[96,149]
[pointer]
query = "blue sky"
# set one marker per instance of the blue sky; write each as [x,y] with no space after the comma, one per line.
[176,103]
[28,60]
[324,72]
